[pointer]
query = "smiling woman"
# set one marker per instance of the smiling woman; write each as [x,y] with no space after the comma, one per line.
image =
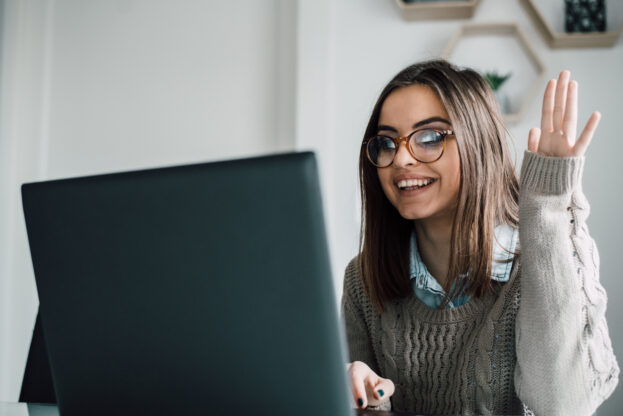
[487,198]
[435,318]
[440,174]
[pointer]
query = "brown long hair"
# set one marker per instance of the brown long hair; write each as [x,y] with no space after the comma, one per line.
[488,190]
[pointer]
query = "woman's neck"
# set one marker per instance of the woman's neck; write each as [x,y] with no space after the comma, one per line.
[433,239]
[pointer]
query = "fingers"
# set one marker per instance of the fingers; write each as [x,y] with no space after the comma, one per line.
[357,383]
[533,139]
[587,134]
[559,121]
[367,387]
[547,113]
[560,100]
[570,119]
[381,391]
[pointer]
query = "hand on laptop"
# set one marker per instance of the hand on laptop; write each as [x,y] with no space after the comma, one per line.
[367,387]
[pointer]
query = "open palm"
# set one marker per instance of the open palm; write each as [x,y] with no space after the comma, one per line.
[559,120]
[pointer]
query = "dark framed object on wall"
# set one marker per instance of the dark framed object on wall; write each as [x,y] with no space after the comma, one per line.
[556,37]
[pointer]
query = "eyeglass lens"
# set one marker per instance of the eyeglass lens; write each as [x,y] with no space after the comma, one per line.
[425,145]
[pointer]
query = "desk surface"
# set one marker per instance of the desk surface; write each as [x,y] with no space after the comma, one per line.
[29,409]
[23,409]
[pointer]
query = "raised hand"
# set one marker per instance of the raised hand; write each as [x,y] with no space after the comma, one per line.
[557,135]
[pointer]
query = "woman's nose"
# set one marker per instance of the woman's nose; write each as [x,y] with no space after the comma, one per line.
[403,156]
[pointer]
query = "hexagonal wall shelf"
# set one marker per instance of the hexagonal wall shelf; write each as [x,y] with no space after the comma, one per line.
[569,40]
[442,9]
[509,52]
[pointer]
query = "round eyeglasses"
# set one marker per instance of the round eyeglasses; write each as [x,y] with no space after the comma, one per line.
[425,146]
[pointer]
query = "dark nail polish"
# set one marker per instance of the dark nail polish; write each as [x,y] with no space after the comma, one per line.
[360,402]
[381,393]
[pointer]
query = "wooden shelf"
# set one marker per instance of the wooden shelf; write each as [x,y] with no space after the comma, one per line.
[430,10]
[504,30]
[569,40]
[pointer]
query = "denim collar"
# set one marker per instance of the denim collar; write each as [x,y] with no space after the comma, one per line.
[429,291]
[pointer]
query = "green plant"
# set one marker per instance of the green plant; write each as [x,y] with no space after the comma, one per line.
[496,80]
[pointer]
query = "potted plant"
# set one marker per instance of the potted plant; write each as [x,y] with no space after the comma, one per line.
[496,81]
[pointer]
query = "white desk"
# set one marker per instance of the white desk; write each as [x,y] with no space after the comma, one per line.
[28,409]
[23,409]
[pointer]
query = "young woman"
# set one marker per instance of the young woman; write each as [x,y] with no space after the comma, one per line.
[475,292]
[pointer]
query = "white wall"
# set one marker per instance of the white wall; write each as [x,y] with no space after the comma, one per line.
[21,124]
[98,86]
[103,85]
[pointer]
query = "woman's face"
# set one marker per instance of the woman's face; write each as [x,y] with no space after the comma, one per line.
[405,110]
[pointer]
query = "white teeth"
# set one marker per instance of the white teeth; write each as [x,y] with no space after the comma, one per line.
[413,182]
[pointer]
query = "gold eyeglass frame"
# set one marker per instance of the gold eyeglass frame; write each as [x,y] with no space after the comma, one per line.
[406,139]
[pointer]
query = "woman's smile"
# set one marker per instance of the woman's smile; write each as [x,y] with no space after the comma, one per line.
[419,190]
[407,186]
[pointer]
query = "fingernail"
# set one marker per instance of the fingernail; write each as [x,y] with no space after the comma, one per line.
[381,393]
[360,402]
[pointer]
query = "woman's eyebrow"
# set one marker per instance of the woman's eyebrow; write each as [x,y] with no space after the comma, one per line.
[416,125]
[389,128]
[430,120]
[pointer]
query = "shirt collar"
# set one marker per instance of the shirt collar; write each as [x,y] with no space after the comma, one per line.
[504,245]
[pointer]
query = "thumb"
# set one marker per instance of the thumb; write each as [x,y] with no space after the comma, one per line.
[533,139]
[380,391]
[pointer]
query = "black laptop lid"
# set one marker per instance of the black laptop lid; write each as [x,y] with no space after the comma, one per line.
[200,289]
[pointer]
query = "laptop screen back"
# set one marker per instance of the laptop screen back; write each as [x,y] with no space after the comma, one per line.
[203,289]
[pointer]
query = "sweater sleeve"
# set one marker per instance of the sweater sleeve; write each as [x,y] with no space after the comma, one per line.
[354,301]
[565,362]
[357,334]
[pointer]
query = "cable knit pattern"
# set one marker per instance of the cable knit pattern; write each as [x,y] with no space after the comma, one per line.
[563,304]
[442,361]
[539,344]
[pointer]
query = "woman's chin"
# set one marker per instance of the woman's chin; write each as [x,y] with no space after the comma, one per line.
[410,214]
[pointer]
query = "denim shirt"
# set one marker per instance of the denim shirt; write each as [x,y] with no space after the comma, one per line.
[430,292]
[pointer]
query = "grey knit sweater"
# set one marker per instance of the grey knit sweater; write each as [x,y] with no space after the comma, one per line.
[540,343]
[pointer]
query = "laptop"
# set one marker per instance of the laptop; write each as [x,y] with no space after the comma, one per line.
[196,289]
